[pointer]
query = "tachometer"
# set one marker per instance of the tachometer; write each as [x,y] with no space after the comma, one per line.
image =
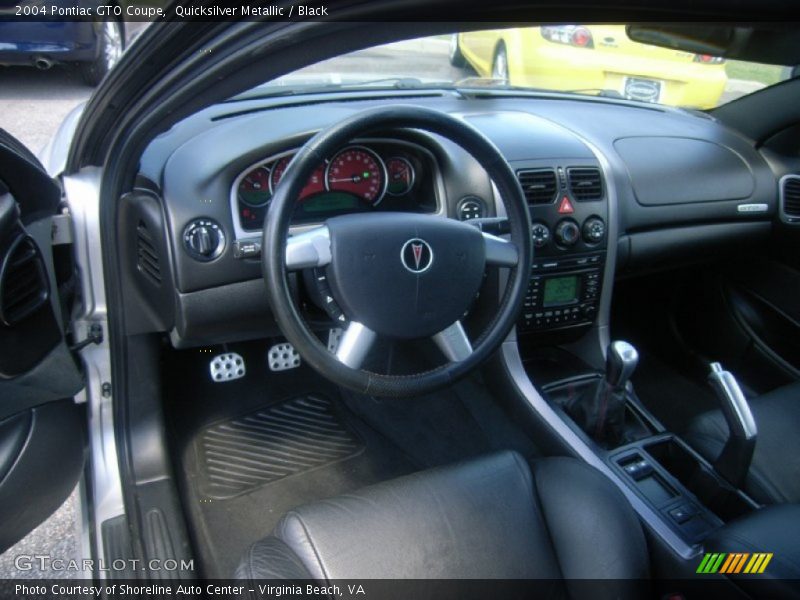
[401,176]
[254,189]
[358,171]
[315,184]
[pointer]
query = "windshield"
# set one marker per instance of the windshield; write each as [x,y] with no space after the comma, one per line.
[581,59]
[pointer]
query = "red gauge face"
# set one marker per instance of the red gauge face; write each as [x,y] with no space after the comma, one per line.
[358,171]
[401,176]
[254,188]
[315,185]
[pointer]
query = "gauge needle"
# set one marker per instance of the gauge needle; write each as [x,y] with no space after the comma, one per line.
[355,178]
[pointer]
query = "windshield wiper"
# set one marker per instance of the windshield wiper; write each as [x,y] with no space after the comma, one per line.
[393,83]
[602,92]
[477,81]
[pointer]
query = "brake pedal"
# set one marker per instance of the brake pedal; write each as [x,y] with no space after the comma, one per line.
[227,367]
[282,357]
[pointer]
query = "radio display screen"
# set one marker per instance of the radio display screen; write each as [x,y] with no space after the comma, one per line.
[559,291]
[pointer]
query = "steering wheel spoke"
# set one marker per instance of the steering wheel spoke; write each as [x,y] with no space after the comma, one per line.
[454,343]
[309,249]
[355,344]
[500,252]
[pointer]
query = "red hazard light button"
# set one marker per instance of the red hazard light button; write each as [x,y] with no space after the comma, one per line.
[565,207]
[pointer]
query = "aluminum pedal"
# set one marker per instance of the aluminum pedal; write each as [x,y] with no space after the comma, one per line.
[282,357]
[334,337]
[227,367]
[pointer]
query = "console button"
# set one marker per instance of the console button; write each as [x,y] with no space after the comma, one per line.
[638,470]
[540,234]
[567,233]
[683,513]
[594,230]
[470,207]
[246,249]
[204,239]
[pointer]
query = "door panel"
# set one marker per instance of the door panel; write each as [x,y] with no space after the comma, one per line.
[41,465]
[42,432]
[763,296]
[746,316]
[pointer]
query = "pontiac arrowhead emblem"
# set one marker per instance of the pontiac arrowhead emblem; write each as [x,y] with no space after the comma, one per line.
[416,255]
[417,248]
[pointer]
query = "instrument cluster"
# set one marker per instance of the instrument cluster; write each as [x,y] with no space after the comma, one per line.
[358,178]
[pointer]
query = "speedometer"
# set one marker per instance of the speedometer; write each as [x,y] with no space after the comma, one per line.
[358,171]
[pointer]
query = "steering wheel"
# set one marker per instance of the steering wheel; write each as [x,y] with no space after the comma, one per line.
[398,275]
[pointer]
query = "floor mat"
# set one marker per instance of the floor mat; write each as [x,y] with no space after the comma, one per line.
[393,438]
[245,453]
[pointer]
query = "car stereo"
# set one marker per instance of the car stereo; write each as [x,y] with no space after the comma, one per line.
[562,292]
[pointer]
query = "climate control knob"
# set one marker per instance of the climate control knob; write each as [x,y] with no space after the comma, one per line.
[567,233]
[594,230]
[540,234]
[204,239]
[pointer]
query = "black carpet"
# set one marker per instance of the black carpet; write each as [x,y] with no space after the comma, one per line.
[249,450]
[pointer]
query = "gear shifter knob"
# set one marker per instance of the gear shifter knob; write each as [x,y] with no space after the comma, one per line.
[621,361]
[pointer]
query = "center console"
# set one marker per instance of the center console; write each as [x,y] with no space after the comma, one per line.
[569,215]
[553,361]
[690,495]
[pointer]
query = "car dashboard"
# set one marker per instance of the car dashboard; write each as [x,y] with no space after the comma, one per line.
[365,176]
[614,188]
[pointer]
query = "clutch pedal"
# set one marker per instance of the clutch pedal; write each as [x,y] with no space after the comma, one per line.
[282,357]
[227,367]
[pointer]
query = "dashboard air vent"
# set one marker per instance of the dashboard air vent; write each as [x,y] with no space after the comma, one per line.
[790,198]
[23,282]
[539,185]
[147,255]
[586,184]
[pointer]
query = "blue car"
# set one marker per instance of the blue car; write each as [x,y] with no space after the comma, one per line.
[92,47]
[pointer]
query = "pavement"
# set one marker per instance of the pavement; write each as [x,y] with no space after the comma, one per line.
[57,537]
[33,104]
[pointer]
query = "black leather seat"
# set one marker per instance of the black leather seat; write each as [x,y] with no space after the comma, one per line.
[490,518]
[773,529]
[774,475]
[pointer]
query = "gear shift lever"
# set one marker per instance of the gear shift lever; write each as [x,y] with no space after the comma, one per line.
[601,411]
[621,361]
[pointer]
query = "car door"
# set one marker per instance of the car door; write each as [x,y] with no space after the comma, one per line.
[42,428]
[479,47]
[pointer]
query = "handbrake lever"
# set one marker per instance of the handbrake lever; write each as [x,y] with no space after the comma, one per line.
[734,461]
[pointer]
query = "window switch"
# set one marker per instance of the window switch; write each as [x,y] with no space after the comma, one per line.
[638,470]
[682,513]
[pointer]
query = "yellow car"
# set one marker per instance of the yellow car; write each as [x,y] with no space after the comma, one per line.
[592,59]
